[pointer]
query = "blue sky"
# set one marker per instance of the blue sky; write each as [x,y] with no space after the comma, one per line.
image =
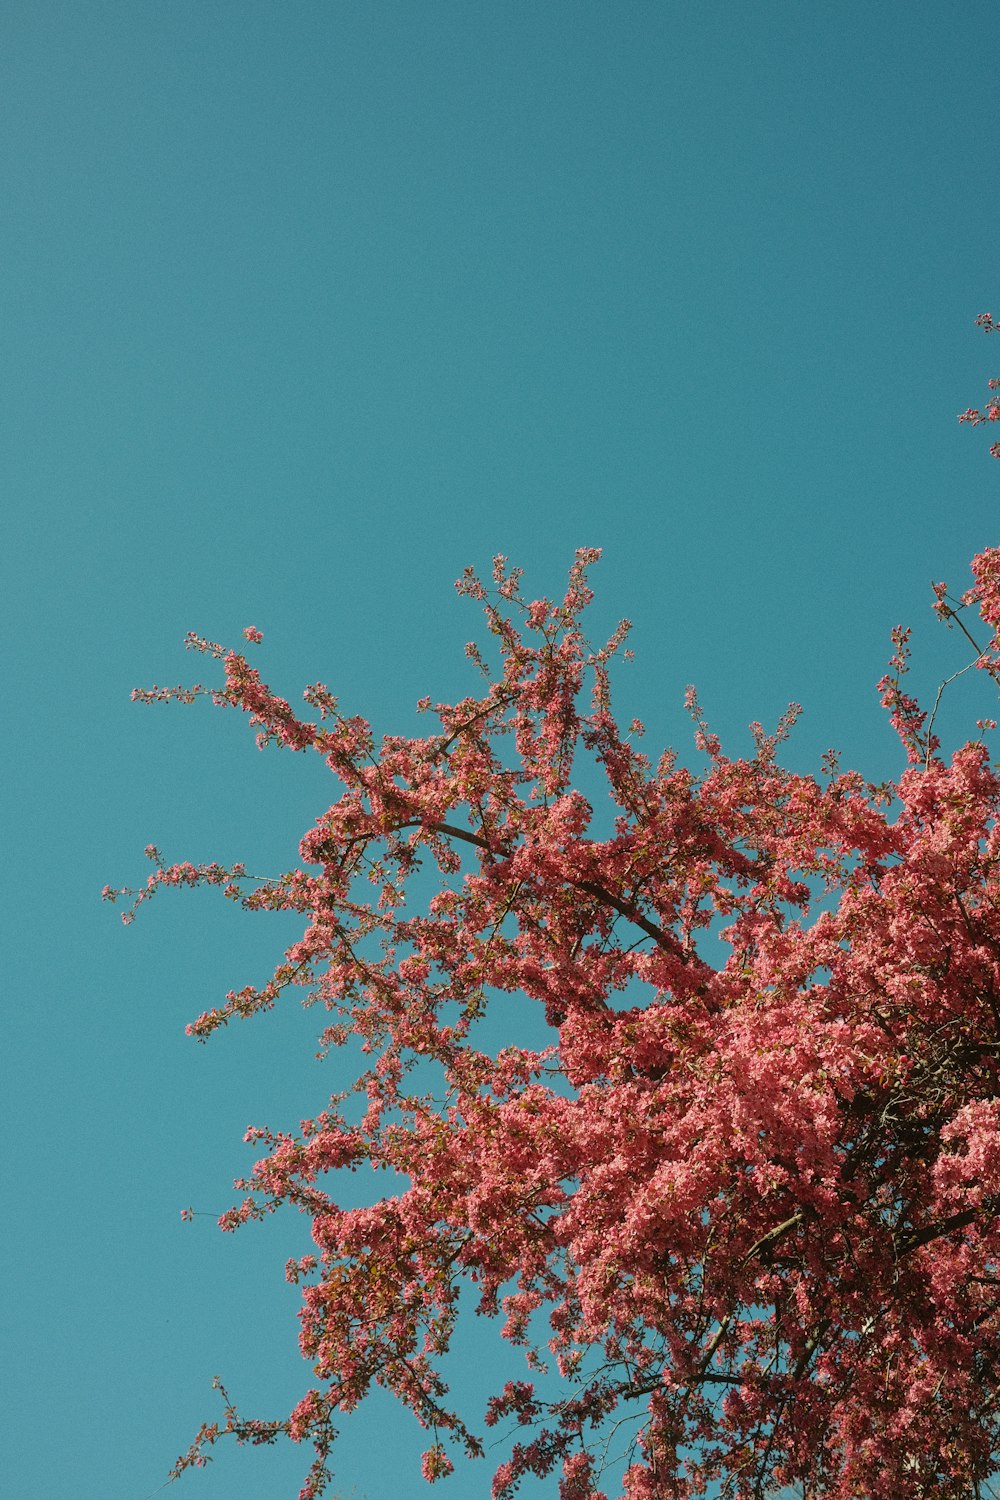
[304,307]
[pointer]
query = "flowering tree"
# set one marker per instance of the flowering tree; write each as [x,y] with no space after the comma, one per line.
[747,1199]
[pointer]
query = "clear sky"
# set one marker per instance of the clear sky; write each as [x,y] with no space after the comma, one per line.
[304,307]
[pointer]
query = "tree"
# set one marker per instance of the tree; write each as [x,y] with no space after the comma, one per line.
[749,1194]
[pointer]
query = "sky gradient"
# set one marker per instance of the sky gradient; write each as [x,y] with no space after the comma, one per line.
[304,308]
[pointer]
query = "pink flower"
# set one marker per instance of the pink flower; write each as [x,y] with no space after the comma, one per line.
[435,1464]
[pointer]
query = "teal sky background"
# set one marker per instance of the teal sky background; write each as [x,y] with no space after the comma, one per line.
[303,308]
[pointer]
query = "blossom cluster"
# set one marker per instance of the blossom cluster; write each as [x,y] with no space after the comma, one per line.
[991,412]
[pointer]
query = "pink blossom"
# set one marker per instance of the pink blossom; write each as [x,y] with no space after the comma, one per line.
[739,1182]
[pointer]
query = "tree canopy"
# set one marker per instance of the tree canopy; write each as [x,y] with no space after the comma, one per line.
[746,1200]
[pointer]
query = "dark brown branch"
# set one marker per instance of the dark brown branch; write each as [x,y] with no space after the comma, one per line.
[937,1231]
[773,1234]
[592,889]
[630,912]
